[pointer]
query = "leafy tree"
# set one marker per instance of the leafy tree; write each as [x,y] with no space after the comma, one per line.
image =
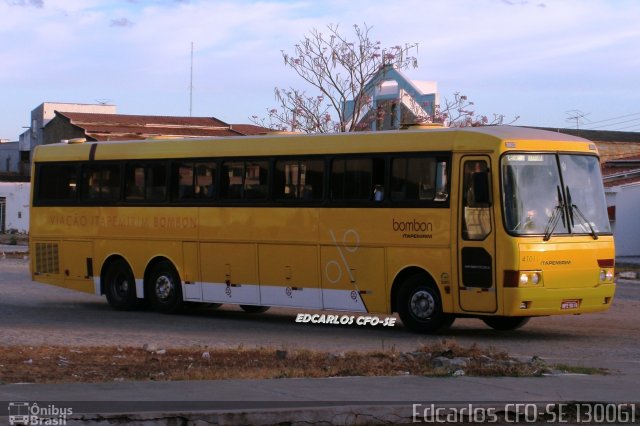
[340,70]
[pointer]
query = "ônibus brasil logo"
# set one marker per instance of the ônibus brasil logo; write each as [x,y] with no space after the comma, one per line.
[26,413]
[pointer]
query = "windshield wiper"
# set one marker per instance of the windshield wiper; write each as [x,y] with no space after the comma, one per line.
[581,216]
[558,212]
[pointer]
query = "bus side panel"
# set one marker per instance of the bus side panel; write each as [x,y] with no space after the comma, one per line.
[229,273]
[289,276]
[77,258]
[192,288]
[353,278]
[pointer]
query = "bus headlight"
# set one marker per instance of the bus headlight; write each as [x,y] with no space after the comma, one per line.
[535,278]
[522,278]
[606,275]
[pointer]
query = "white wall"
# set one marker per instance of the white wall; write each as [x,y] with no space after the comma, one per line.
[627,225]
[17,195]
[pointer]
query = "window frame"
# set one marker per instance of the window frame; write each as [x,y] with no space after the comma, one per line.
[270,200]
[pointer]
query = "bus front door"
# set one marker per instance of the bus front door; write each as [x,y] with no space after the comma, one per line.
[476,237]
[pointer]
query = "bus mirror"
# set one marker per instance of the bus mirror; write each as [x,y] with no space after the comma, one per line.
[481,188]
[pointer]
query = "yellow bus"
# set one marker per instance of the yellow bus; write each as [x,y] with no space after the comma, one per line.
[497,223]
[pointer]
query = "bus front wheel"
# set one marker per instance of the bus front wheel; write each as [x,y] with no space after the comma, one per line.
[420,306]
[120,286]
[254,309]
[164,288]
[505,323]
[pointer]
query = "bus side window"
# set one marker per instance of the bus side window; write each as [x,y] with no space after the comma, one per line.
[255,180]
[57,182]
[352,179]
[156,182]
[418,179]
[205,180]
[298,179]
[244,180]
[182,187]
[110,182]
[90,184]
[101,182]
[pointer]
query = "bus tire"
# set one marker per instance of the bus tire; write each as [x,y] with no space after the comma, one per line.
[120,286]
[164,288]
[254,309]
[505,323]
[420,306]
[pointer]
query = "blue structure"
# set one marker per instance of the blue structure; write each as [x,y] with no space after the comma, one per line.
[395,100]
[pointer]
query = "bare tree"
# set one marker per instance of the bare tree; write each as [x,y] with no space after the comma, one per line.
[340,69]
[459,112]
[343,71]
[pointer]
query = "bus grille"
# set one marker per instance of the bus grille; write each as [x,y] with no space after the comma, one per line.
[47,258]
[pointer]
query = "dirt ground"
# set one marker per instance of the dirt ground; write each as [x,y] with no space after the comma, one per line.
[104,364]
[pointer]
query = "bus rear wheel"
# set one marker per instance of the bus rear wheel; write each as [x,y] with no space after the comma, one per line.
[420,306]
[164,289]
[120,286]
[254,309]
[505,323]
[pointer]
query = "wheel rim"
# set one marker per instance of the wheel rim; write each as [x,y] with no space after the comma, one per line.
[164,287]
[422,304]
[121,286]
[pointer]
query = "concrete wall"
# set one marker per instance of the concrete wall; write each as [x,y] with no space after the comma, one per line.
[60,128]
[17,205]
[626,228]
[9,156]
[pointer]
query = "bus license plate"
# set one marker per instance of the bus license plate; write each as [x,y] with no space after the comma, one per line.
[570,304]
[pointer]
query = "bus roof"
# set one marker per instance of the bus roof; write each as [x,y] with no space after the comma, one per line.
[486,139]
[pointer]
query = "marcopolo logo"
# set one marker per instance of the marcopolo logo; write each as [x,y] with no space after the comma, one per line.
[413,228]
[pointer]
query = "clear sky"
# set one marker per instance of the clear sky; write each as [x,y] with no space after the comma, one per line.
[536,59]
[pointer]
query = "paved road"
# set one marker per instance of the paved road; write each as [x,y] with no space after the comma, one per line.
[36,314]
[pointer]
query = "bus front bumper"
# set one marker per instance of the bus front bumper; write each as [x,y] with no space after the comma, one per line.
[565,301]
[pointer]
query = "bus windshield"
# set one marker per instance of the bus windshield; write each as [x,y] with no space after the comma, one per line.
[536,202]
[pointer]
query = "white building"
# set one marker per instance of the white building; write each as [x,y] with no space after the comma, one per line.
[14,206]
[622,190]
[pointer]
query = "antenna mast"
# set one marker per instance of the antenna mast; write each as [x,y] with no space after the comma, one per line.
[577,115]
[191,85]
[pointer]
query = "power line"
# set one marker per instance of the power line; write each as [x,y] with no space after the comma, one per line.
[613,118]
[619,122]
[635,125]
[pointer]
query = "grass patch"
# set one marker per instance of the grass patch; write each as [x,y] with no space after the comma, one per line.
[576,369]
[47,364]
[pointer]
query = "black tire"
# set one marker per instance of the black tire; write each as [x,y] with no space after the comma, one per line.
[420,306]
[254,309]
[164,288]
[120,286]
[505,323]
